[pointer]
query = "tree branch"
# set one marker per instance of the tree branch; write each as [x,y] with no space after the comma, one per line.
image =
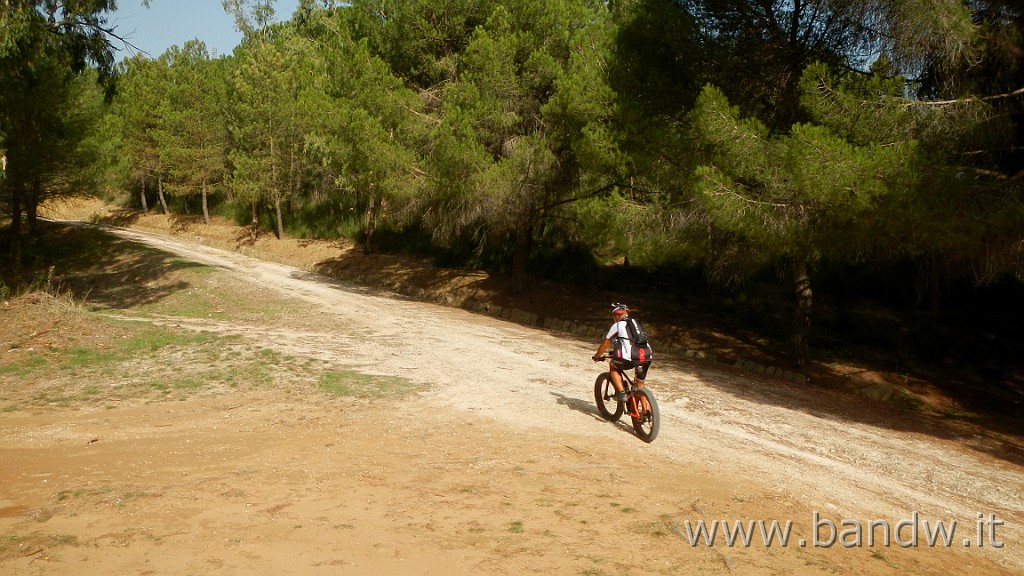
[1017,92]
[106,32]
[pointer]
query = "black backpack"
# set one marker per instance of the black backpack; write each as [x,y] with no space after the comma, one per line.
[636,332]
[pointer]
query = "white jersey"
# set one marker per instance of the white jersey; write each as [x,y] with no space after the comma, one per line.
[623,340]
[619,334]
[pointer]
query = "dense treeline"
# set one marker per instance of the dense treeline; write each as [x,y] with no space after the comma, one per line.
[730,137]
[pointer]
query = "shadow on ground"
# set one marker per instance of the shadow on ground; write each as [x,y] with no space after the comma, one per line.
[982,414]
[108,272]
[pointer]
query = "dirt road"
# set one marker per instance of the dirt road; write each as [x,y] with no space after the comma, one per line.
[500,465]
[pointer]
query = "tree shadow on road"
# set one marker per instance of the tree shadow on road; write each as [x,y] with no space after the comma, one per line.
[1000,439]
[106,271]
[981,418]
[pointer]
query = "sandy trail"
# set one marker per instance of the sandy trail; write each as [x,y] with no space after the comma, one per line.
[506,433]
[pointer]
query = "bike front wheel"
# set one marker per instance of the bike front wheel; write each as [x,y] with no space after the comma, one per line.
[648,423]
[604,392]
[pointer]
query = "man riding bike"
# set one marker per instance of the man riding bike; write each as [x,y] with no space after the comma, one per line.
[626,354]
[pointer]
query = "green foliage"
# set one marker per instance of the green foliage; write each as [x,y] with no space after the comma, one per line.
[46,48]
[76,32]
[722,136]
[141,92]
[862,109]
[252,17]
[795,195]
[363,149]
[950,209]
[262,123]
[192,133]
[421,40]
[48,112]
[654,71]
[516,143]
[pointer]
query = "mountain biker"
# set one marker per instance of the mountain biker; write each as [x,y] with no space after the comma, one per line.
[625,354]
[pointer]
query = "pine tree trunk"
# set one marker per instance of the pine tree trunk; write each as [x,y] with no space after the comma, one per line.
[30,206]
[206,205]
[32,212]
[371,224]
[255,224]
[142,196]
[802,317]
[280,219]
[521,256]
[160,194]
[14,245]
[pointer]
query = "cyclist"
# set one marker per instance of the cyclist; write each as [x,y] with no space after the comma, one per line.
[625,355]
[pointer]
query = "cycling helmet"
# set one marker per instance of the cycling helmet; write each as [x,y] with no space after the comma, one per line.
[619,309]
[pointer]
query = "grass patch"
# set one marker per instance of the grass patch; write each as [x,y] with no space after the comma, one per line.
[108,272]
[204,292]
[357,384]
[67,351]
[80,357]
[33,361]
[141,341]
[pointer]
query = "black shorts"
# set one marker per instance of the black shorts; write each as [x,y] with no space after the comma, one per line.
[641,369]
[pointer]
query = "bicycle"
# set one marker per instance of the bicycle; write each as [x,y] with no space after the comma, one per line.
[639,404]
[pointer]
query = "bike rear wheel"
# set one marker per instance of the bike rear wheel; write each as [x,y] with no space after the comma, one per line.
[604,391]
[648,423]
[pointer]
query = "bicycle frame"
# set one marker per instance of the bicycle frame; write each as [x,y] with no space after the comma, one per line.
[639,404]
[629,387]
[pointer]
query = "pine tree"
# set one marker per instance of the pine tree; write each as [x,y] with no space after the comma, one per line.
[790,198]
[192,141]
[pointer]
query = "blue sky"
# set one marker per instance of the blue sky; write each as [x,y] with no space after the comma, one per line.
[169,23]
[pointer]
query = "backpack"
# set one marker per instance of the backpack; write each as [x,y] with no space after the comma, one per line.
[640,350]
[636,332]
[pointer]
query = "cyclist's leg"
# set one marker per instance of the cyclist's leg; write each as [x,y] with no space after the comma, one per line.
[615,371]
[640,377]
